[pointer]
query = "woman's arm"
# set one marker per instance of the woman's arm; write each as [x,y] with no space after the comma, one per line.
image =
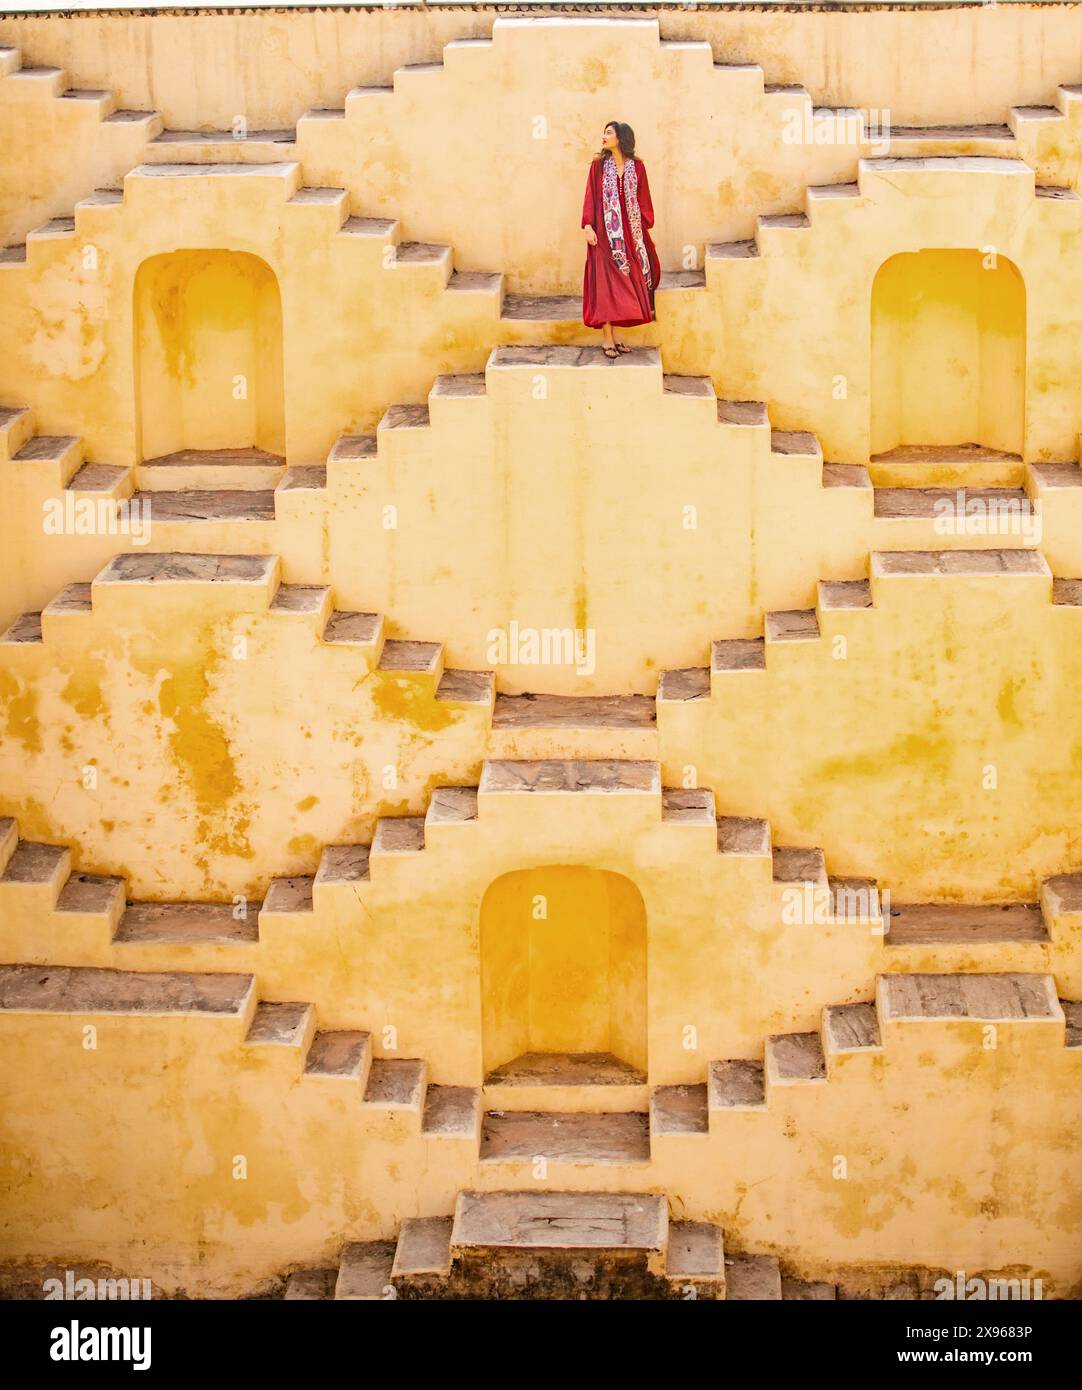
[646,203]
[588,202]
[589,208]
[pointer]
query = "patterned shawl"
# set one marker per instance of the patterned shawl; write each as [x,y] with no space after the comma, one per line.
[614,222]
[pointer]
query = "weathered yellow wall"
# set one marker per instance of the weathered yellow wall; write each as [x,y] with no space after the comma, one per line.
[948,351]
[563,965]
[936,749]
[208,353]
[928,1169]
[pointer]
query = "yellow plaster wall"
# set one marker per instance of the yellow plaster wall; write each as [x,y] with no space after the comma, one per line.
[948,351]
[208,353]
[563,965]
[937,728]
[226,740]
[237,1177]
[558,498]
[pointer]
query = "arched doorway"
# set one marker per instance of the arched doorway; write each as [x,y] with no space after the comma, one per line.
[948,351]
[208,353]
[563,967]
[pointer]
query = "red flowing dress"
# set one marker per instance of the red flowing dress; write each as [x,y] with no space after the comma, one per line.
[608,295]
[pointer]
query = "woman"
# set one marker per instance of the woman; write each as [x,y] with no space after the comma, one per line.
[622,268]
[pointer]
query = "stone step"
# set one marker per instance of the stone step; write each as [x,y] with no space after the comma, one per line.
[683,686]
[738,654]
[945,465]
[304,478]
[952,167]
[60,455]
[403,417]
[743,414]
[744,836]
[537,1221]
[452,1112]
[529,711]
[365,1271]
[837,595]
[398,835]
[211,470]
[396,1084]
[412,658]
[363,631]
[288,896]
[1072,1012]
[1043,478]
[796,444]
[37,866]
[198,505]
[851,1028]
[353,448]
[174,146]
[679,1110]
[794,1059]
[542,308]
[732,251]
[101,480]
[16,429]
[694,806]
[693,387]
[900,563]
[423,253]
[311,1284]
[340,865]
[92,895]
[681,280]
[928,502]
[188,924]
[467,688]
[922,141]
[1061,896]
[989,998]
[739,1084]
[84,990]
[569,775]
[791,625]
[528,358]
[965,924]
[423,1251]
[795,864]
[489,282]
[1067,593]
[25,630]
[575,1137]
[566,1082]
[73,601]
[178,569]
[451,806]
[145,178]
[839,475]
[280,1025]
[460,386]
[695,1256]
[344,1056]
[752,1278]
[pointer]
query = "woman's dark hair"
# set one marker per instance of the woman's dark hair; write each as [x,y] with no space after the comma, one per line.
[625,138]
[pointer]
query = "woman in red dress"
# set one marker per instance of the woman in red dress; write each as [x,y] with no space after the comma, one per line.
[622,268]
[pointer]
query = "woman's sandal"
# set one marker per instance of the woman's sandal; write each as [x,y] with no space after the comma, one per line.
[622,348]
[611,353]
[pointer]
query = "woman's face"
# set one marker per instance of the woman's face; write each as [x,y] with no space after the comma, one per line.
[609,140]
